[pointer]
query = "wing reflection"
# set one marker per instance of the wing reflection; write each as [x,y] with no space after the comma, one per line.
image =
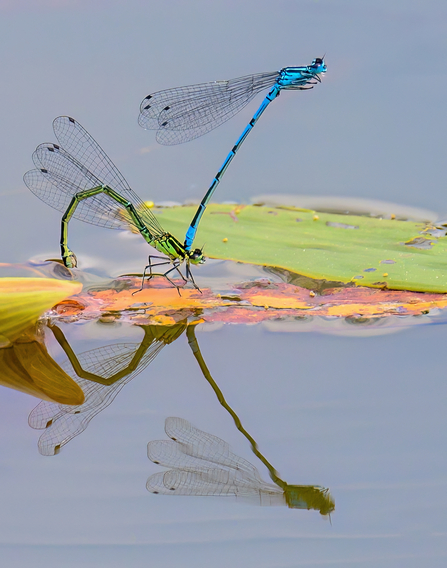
[101,373]
[203,465]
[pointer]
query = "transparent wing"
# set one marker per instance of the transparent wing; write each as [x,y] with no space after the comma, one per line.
[53,193]
[202,464]
[57,192]
[184,113]
[214,482]
[205,446]
[62,422]
[78,164]
[86,151]
[77,142]
[171,454]
[104,362]
[43,415]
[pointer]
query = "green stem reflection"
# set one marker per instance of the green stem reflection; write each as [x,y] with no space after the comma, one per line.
[152,334]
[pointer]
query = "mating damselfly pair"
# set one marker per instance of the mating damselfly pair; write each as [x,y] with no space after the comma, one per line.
[77,177]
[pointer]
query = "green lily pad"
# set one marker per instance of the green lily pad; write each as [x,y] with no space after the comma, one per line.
[380,253]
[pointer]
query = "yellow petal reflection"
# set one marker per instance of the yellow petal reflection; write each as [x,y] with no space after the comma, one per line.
[26,366]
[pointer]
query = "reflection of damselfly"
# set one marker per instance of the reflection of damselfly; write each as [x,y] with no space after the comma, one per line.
[101,373]
[208,448]
[77,178]
[184,113]
[203,464]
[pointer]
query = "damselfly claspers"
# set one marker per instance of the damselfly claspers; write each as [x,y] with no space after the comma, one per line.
[184,113]
[78,178]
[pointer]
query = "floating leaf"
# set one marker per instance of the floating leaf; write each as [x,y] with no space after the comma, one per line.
[23,300]
[325,246]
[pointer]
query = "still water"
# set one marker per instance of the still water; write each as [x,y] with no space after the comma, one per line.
[352,414]
[332,435]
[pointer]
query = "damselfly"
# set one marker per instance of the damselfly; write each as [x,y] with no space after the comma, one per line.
[77,178]
[184,113]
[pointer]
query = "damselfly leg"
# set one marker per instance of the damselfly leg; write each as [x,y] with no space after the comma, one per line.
[151,265]
[190,277]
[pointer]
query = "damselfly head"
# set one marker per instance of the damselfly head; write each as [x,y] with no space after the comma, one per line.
[301,78]
[318,65]
[196,256]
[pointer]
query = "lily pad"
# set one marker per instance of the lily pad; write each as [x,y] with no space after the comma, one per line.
[339,248]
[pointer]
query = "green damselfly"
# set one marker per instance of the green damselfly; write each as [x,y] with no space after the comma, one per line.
[77,178]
